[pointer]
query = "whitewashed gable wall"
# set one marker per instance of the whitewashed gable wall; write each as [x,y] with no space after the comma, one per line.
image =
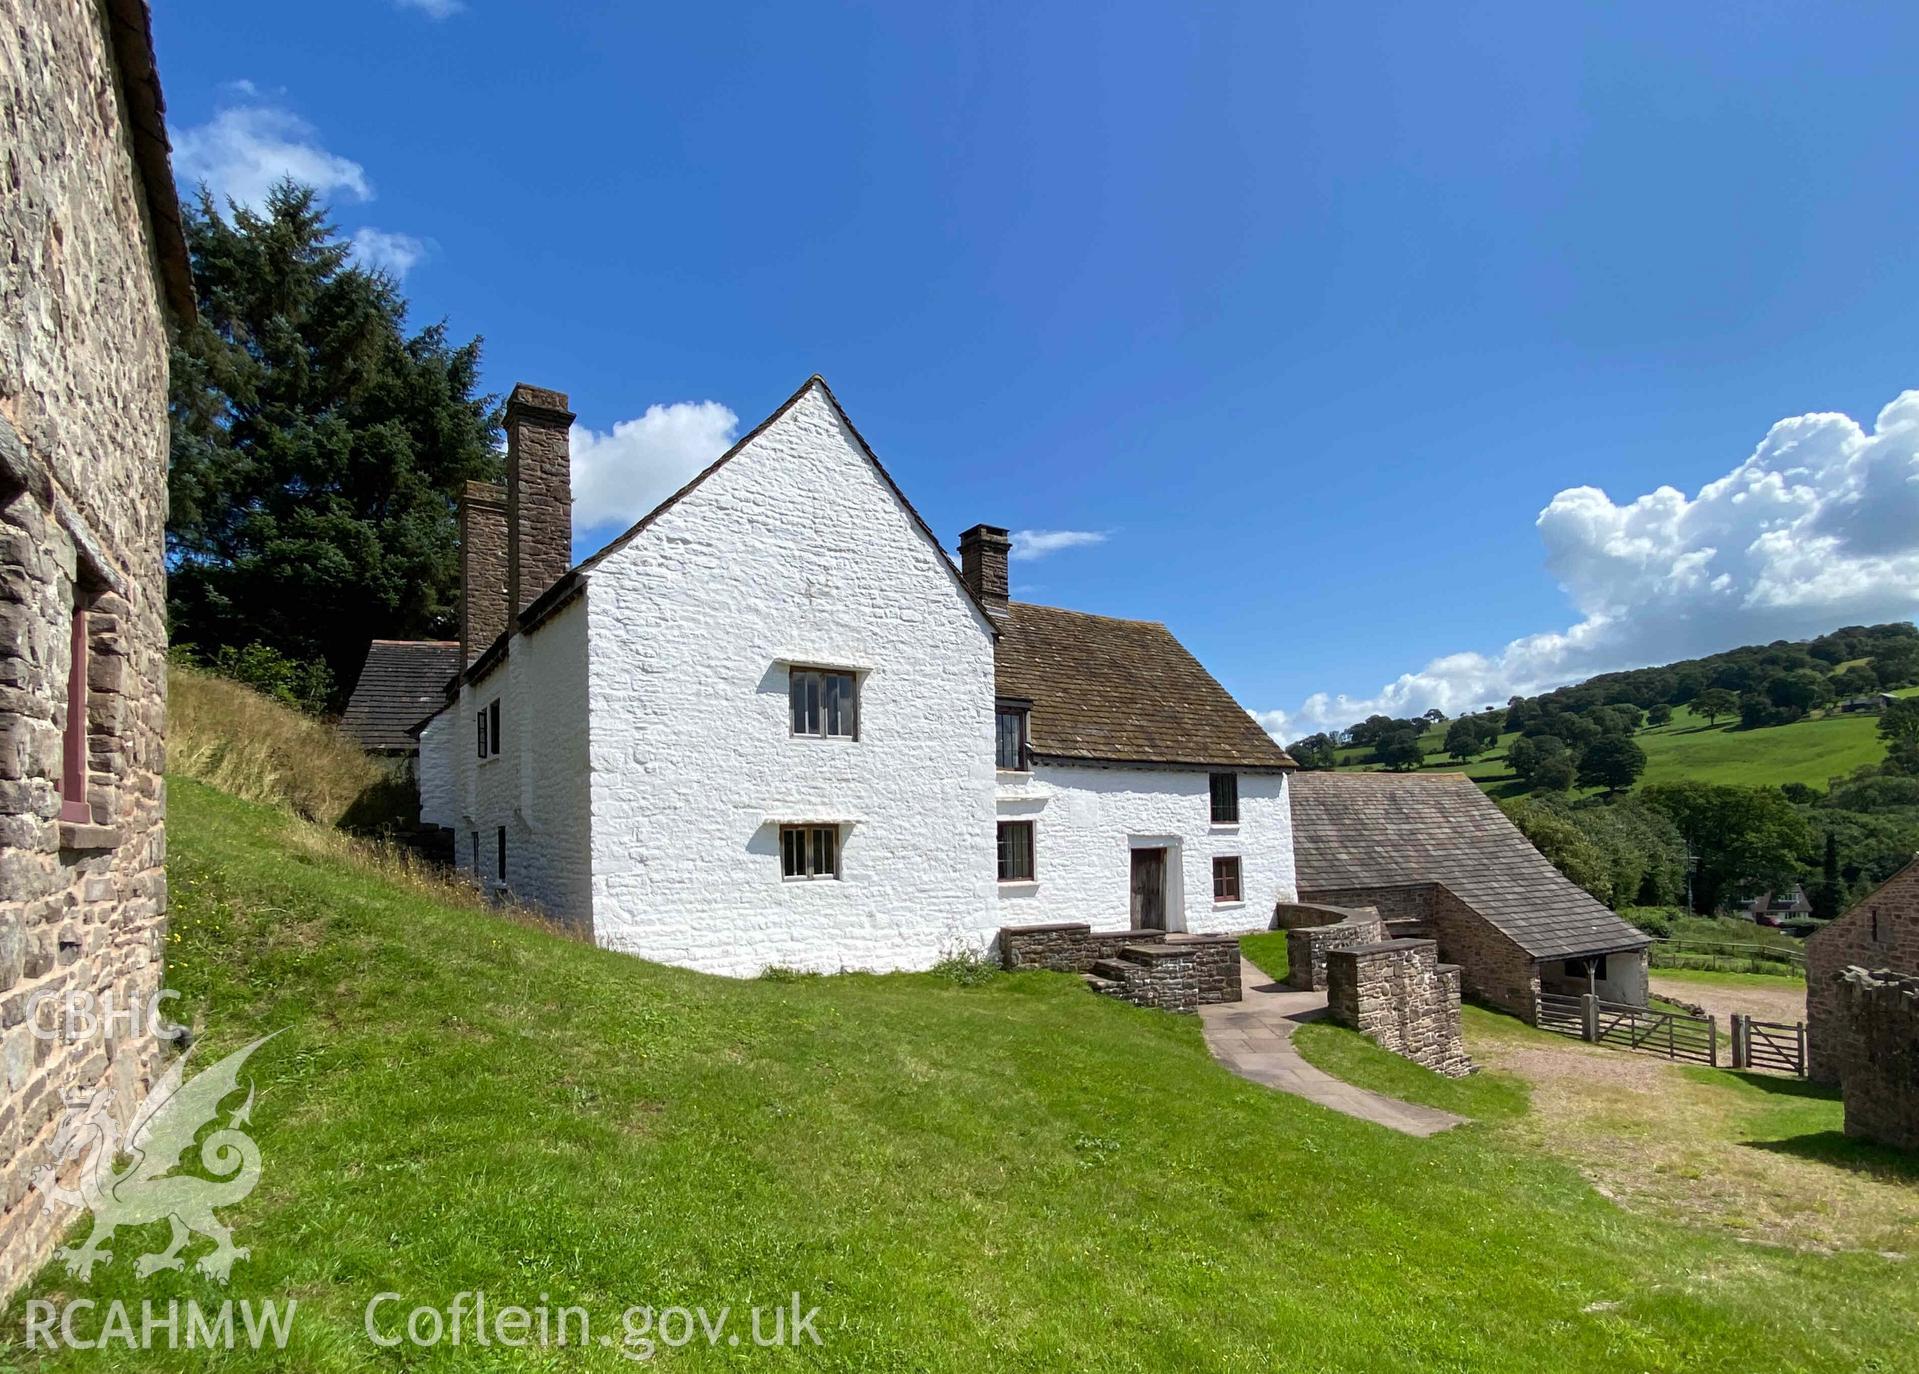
[795,550]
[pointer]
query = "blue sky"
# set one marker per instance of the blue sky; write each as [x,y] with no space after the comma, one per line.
[1331,322]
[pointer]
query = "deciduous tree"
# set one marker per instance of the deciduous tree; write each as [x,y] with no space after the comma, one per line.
[1613,762]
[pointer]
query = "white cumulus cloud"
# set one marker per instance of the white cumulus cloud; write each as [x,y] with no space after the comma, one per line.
[1030,544]
[248,148]
[245,149]
[381,250]
[621,475]
[1817,528]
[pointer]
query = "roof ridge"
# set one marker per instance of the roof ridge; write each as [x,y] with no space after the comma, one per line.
[1089,615]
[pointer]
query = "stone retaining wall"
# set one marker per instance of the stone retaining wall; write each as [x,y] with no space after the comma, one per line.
[1494,969]
[1149,968]
[1308,945]
[1067,946]
[1398,994]
[1879,1056]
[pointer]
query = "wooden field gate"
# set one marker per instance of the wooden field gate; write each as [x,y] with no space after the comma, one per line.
[1672,1034]
[1768,1045]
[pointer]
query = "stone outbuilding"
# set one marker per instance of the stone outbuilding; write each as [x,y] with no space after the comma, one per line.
[97,266]
[1438,859]
[1880,932]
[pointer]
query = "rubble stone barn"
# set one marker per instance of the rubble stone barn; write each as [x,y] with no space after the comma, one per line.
[1437,858]
[97,265]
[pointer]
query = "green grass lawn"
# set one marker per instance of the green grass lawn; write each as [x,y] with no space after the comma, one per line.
[1267,952]
[1487,1095]
[1010,1175]
[1710,978]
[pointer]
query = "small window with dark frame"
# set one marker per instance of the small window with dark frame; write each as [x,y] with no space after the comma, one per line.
[809,851]
[823,702]
[493,724]
[1225,799]
[1010,739]
[73,743]
[1016,851]
[501,866]
[1226,886]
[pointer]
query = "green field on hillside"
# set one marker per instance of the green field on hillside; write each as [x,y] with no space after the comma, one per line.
[958,1174]
[1812,751]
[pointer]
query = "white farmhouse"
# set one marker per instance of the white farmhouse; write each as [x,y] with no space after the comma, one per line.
[772,724]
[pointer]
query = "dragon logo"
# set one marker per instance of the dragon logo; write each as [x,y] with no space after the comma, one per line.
[147,1189]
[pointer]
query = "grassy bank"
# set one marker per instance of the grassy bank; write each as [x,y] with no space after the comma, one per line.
[1011,1175]
[1487,1095]
[229,736]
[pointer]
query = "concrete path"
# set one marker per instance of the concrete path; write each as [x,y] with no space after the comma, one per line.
[1254,1038]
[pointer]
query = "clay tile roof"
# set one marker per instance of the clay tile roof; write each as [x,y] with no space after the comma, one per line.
[1118,691]
[403,682]
[1392,830]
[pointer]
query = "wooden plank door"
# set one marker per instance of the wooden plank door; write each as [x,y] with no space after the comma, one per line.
[1149,889]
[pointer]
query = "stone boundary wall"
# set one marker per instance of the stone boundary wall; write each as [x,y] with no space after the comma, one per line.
[1879,1056]
[1398,994]
[1410,904]
[1148,968]
[1307,946]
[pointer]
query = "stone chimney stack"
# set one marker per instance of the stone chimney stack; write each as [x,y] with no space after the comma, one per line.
[983,551]
[482,567]
[539,494]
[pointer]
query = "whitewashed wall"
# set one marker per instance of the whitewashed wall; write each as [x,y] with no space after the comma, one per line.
[536,786]
[795,551]
[1086,822]
[439,796]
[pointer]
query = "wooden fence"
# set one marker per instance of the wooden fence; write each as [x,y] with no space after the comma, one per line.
[1727,956]
[1768,1045]
[1668,1033]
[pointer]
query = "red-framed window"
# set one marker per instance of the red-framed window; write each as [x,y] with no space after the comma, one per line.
[1226,885]
[73,747]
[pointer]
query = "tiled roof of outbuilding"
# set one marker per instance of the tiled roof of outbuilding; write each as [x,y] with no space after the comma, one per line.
[403,682]
[1122,691]
[1391,830]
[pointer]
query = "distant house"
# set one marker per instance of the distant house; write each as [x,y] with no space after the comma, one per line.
[1440,860]
[1875,701]
[1775,908]
[402,683]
